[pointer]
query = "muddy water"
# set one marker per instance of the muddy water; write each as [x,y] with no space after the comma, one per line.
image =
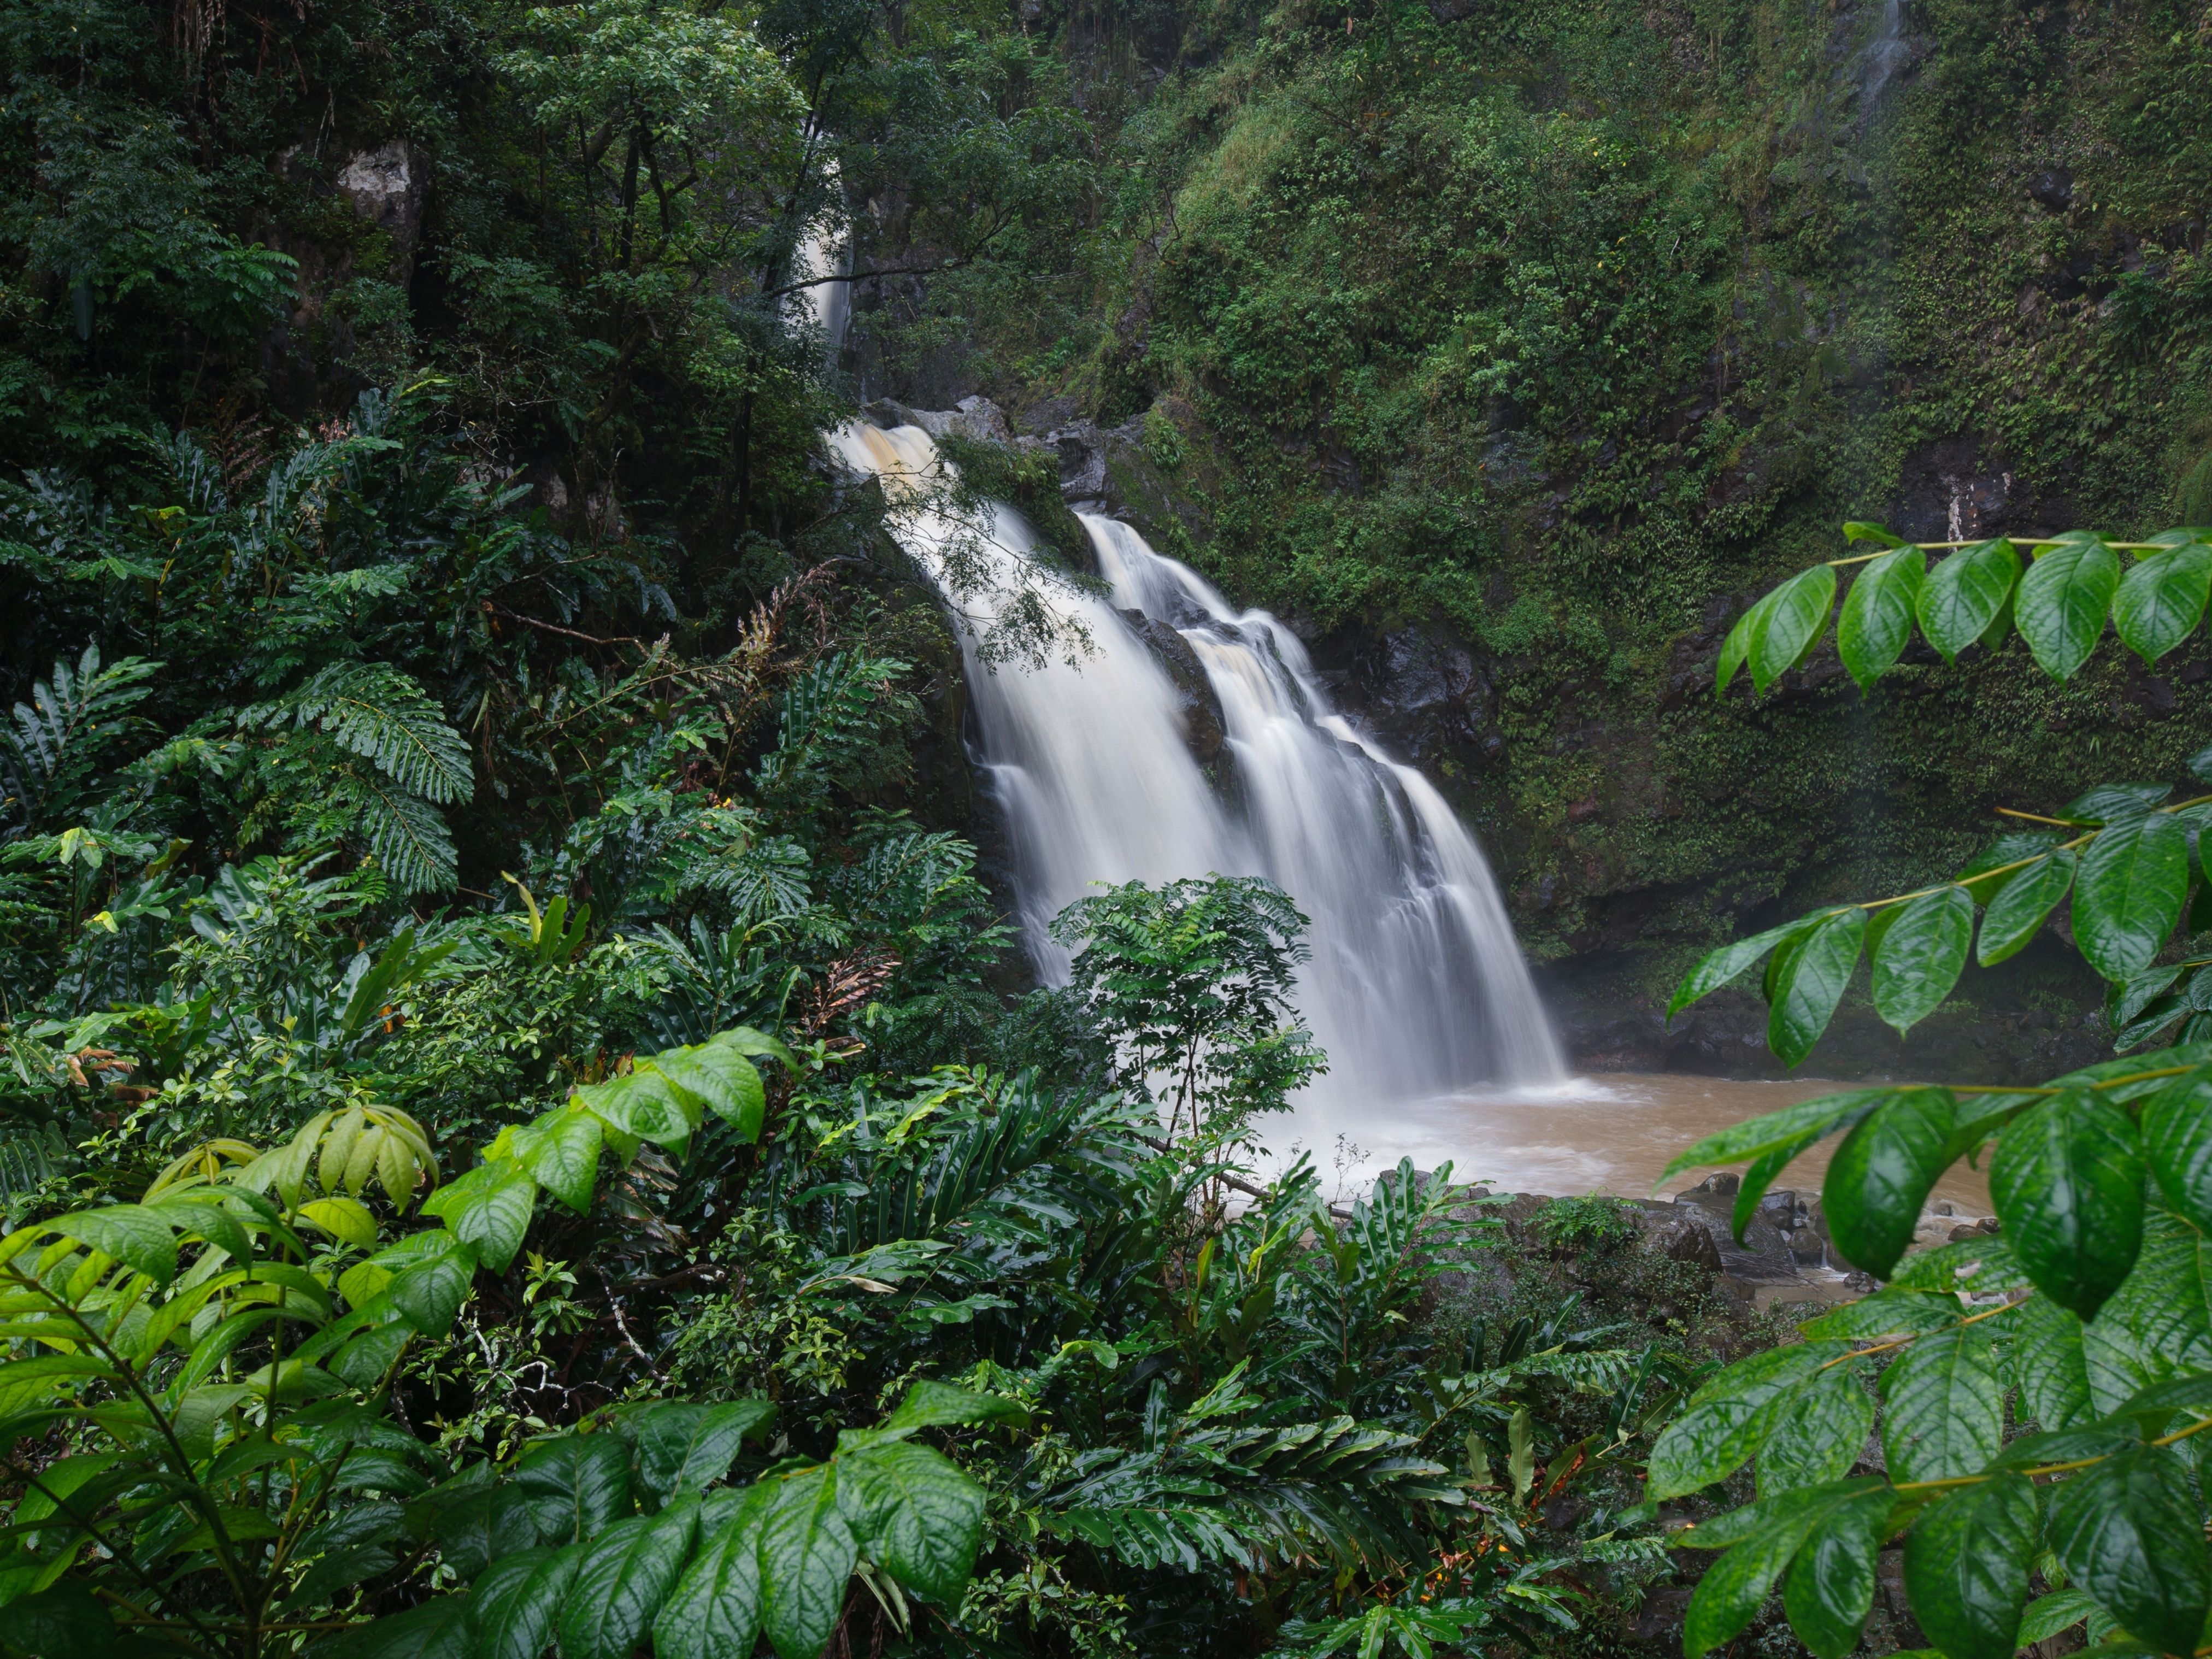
[1609,1133]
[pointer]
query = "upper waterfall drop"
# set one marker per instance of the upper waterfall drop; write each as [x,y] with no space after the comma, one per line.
[1416,985]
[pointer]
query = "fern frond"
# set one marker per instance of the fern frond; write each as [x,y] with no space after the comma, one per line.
[406,836]
[54,740]
[380,715]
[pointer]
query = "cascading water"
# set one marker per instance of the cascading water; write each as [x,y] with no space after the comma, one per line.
[1416,986]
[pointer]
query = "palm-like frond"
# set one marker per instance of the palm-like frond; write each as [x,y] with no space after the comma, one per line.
[379,713]
[51,743]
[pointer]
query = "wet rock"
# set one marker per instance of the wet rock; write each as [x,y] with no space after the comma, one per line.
[1685,1239]
[977,418]
[1195,701]
[2052,188]
[386,187]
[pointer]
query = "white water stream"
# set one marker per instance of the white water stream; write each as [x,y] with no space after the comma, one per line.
[1416,987]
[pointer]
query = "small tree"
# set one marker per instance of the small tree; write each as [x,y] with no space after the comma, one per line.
[1193,981]
[2041,1397]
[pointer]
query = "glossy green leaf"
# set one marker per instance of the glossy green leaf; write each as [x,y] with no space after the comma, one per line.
[2021,905]
[2062,599]
[2158,1325]
[929,1405]
[1882,1173]
[439,1628]
[485,1528]
[1790,621]
[133,1235]
[1719,1428]
[1813,1435]
[1921,955]
[722,1081]
[1830,1589]
[2114,803]
[627,1572]
[2161,600]
[561,1151]
[487,1209]
[687,1448]
[916,1513]
[2128,1533]
[1876,624]
[1811,982]
[2047,1615]
[576,1485]
[344,1219]
[1755,1137]
[517,1601]
[2067,1180]
[806,1555]
[1964,594]
[66,1621]
[2049,1366]
[1729,963]
[1967,1565]
[715,1610]
[428,1291]
[1735,649]
[1736,1587]
[1761,1173]
[747,1041]
[1861,530]
[642,1104]
[2176,1141]
[2128,893]
[1943,1412]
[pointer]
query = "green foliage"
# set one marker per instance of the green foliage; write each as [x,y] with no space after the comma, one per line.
[2088,1302]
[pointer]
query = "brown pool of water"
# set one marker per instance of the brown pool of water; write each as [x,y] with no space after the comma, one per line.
[1610,1132]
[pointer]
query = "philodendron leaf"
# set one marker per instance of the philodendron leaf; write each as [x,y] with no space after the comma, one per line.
[2177,1138]
[1965,595]
[1967,1564]
[2129,894]
[2022,903]
[2126,1531]
[1809,982]
[2060,609]
[1794,618]
[2161,600]
[1920,956]
[1882,1175]
[1830,1589]
[2067,1180]
[1876,624]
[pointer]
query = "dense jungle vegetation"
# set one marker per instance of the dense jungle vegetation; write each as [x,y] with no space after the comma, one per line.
[522,1127]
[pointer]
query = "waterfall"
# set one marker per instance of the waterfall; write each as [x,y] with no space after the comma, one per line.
[1416,985]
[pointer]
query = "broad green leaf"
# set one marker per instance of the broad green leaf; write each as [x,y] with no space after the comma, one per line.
[487,1209]
[1735,650]
[747,1041]
[1967,1564]
[67,1621]
[714,1611]
[2161,600]
[917,1515]
[722,1081]
[1860,529]
[201,1214]
[1791,621]
[627,1572]
[686,1448]
[2060,608]
[1876,624]
[518,1602]
[642,1104]
[1920,956]
[428,1291]
[806,1555]
[2067,1180]
[1882,1173]
[1944,1413]
[2128,1533]
[1986,874]
[1718,1430]
[576,1486]
[1887,1313]
[1830,1589]
[2114,803]
[2158,1325]
[2129,894]
[561,1150]
[1761,1174]
[1811,984]
[439,1628]
[938,1406]
[486,1527]
[133,1235]
[1757,1136]
[1811,1435]
[2021,905]
[1735,1587]
[2177,1139]
[343,1219]
[2049,1366]
[26,1382]
[2047,1615]
[1729,963]
[1965,594]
